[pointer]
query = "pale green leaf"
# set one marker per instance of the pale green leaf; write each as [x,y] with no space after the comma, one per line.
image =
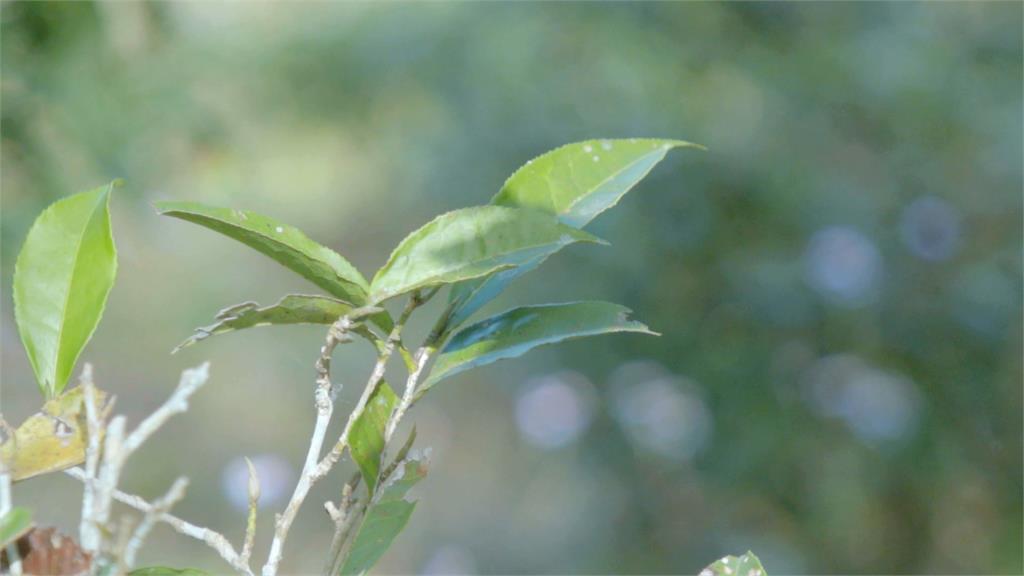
[470,243]
[292,309]
[745,565]
[366,440]
[14,524]
[517,331]
[579,181]
[61,281]
[385,518]
[566,182]
[285,244]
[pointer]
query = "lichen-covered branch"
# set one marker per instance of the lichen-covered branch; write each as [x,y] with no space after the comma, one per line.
[108,449]
[157,509]
[213,539]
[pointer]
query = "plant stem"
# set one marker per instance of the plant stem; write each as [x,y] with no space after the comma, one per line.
[313,470]
[13,559]
[212,539]
[342,544]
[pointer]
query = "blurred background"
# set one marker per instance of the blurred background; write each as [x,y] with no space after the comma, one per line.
[837,281]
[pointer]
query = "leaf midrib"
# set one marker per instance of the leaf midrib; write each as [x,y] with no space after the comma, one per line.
[52,389]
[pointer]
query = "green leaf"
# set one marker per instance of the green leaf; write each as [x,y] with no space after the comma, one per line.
[517,331]
[292,309]
[15,524]
[61,281]
[746,565]
[285,244]
[165,571]
[366,440]
[579,181]
[470,243]
[467,297]
[566,182]
[385,518]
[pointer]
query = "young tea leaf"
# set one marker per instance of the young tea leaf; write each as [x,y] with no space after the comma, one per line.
[746,565]
[366,440]
[469,243]
[579,181]
[292,309]
[569,183]
[50,440]
[285,244]
[61,281]
[15,524]
[385,519]
[517,331]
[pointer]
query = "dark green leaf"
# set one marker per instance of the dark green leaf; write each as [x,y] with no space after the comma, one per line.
[61,281]
[470,243]
[366,439]
[746,565]
[579,181]
[287,245]
[385,518]
[566,182]
[515,332]
[165,571]
[15,524]
[292,309]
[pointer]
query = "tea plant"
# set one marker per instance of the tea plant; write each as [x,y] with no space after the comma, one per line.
[68,265]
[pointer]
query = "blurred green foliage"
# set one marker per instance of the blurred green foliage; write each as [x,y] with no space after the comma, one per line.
[838,280]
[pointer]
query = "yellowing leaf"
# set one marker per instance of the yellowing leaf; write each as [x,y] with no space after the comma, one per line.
[51,440]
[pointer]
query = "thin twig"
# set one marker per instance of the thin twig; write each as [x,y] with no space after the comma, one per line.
[191,380]
[336,334]
[254,500]
[340,515]
[103,479]
[109,474]
[213,539]
[313,471]
[157,509]
[394,339]
[13,558]
[88,530]
[409,394]
[340,544]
